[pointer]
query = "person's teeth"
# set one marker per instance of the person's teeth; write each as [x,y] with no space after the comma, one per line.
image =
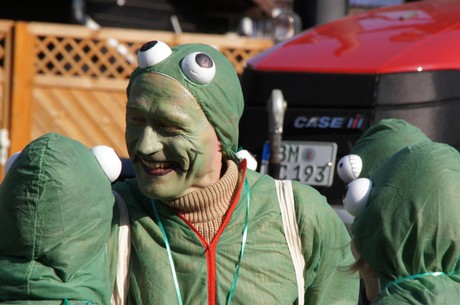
[155,164]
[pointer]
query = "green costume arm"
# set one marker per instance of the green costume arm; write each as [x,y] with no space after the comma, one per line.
[55,215]
[326,248]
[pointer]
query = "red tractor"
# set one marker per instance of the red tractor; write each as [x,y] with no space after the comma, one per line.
[311,97]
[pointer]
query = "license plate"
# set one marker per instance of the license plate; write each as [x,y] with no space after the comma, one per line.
[311,163]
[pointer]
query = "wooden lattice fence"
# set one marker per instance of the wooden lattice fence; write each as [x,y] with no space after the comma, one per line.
[71,79]
[5,66]
[6,32]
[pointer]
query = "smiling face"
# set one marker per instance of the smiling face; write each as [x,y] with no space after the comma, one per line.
[172,145]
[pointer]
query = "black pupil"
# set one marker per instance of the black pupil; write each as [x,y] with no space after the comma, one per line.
[203,60]
[148,45]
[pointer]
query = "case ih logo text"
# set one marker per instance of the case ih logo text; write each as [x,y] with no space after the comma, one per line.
[335,122]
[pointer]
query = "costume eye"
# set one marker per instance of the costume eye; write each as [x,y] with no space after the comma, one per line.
[199,68]
[349,168]
[356,196]
[152,52]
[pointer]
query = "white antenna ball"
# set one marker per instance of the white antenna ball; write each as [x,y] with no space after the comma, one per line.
[154,55]
[251,161]
[357,196]
[349,167]
[108,160]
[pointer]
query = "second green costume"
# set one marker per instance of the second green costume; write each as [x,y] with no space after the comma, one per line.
[246,259]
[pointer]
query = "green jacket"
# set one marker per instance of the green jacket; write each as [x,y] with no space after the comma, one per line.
[205,271]
[55,218]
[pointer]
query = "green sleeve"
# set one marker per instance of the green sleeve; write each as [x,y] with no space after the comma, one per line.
[326,249]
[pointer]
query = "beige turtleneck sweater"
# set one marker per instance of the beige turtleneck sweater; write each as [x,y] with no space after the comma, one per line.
[206,208]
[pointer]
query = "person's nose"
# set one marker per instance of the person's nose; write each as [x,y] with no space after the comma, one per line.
[149,142]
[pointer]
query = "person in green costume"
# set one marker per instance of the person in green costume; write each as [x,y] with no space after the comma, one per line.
[390,144]
[375,146]
[405,235]
[206,229]
[56,208]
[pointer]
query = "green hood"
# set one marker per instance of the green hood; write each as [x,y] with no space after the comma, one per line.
[221,99]
[411,225]
[55,216]
[384,139]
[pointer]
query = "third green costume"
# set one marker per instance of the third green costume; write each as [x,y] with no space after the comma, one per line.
[407,229]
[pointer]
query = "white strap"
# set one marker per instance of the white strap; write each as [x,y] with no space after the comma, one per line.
[124,250]
[291,231]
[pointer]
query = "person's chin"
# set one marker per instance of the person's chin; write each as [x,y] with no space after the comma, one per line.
[372,288]
[157,193]
[159,187]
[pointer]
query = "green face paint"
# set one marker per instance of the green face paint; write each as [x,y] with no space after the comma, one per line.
[173,147]
[221,99]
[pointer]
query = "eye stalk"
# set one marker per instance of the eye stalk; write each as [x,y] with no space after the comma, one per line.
[152,53]
[199,68]
[356,196]
[349,167]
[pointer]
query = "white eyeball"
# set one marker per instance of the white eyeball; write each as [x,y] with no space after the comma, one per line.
[356,196]
[251,161]
[108,160]
[10,161]
[152,53]
[349,167]
[199,68]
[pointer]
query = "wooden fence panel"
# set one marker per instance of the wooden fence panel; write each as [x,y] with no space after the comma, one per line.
[6,40]
[22,85]
[74,79]
[6,32]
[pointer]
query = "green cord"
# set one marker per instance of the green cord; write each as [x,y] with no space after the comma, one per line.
[416,276]
[67,302]
[171,261]
[243,243]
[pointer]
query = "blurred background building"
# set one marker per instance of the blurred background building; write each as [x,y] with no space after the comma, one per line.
[193,16]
